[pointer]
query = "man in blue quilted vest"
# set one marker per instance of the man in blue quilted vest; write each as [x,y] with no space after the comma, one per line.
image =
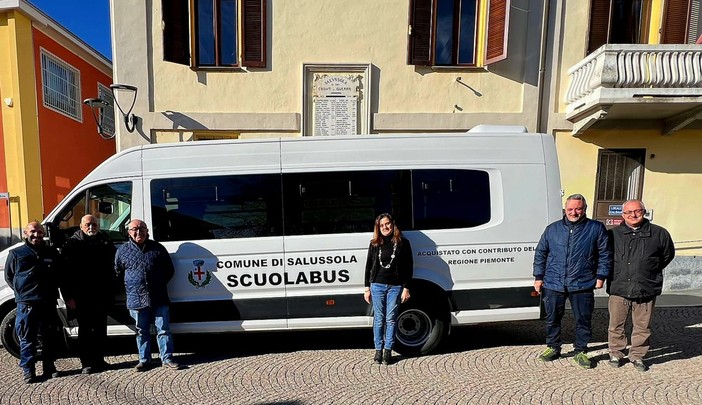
[147,268]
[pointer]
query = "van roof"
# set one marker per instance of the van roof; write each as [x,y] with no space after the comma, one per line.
[262,154]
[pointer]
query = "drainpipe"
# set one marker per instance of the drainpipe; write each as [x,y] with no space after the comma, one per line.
[540,127]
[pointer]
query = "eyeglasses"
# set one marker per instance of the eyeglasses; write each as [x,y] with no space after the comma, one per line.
[632,212]
[137,229]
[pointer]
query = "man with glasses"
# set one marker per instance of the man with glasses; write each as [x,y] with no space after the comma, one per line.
[147,268]
[641,251]
[571,260]
[88,289]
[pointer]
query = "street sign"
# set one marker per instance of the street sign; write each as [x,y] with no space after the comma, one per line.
[615,209]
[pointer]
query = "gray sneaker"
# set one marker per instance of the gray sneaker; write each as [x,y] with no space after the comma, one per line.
[141,366]
[171,364]
[640,365]
[581,360]
[614,361]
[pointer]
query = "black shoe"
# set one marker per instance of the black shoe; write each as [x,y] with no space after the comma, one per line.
[101,365]
[378,358]
[29,375]
[387,357]
[50,372]
[141,366]
[87,370]
[640,365]
[614,361]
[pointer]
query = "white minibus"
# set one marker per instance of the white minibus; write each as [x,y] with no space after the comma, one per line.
[272,234]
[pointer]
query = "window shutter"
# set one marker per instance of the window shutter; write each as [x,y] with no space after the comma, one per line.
[599,24]
[675,22]
[693,28]
[176,31]
[497,29]
[254,33]
[420,24]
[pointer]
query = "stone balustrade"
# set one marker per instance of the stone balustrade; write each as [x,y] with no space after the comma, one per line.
[644,70]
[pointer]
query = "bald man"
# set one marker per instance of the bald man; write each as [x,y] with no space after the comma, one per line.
[32,271]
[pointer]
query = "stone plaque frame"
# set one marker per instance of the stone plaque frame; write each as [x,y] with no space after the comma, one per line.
[313,75]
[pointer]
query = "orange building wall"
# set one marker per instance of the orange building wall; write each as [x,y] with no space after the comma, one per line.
[4,210]
[69,149]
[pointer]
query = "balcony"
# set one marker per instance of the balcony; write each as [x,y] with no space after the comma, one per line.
[658,85]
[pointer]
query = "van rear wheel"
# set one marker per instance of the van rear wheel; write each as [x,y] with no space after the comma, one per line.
[7,333]
[421,327]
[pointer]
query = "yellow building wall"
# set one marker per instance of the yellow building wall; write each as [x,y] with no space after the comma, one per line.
[20,127]
[345,38]
[672,177]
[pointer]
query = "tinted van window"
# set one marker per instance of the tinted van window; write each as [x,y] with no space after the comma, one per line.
[216,207]
[220,207]
[446,199]
[343,202]
[110,203]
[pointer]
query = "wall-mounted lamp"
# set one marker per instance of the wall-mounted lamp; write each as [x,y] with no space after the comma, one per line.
[96,106]
[130,120]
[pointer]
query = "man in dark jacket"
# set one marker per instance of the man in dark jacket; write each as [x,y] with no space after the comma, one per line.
[147,268]
[88,289]
[571,260]
[641,251]
[31,271]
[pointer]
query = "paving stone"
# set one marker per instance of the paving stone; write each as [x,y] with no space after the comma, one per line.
[481,364]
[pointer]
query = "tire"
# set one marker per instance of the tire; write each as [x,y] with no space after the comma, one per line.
[8,335]
[421,327]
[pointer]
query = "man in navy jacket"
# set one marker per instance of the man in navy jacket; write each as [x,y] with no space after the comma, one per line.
[31,271]
[571,260]
[147,268]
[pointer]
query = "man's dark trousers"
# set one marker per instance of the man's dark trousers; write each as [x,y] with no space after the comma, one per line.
[582,304]
[33,318]
[92,333]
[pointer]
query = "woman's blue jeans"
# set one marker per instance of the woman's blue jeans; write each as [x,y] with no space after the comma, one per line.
[386,303]
[160,317]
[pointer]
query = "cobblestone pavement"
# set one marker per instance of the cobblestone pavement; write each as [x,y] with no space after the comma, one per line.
[490,363]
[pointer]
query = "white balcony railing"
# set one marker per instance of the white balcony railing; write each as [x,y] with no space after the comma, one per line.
[639,70]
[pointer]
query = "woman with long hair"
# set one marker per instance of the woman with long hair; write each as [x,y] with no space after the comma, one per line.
[388,274]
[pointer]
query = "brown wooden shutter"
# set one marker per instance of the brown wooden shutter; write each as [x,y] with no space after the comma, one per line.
[176,31]
[419,43]
[693,28]
[675,22]
[254,33]
[497,30]
[599,24]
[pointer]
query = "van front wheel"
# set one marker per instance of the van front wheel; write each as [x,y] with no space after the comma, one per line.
[420,328]
[8,335]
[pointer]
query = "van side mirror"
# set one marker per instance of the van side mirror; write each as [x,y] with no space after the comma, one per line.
[105,207]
